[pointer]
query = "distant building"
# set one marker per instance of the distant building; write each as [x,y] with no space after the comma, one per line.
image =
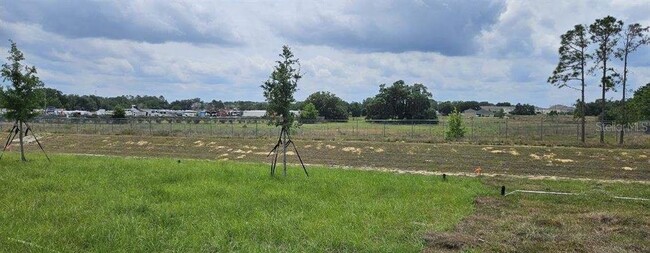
[160,113]
[76,113]
[53,111]
[494,109]
[469,113]
[254,114]
[103,112]
[561,108]
[189,113]
[484,113]
[135,112]
[477,113]
[540,110]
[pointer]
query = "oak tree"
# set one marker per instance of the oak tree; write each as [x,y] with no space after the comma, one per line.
[22,96]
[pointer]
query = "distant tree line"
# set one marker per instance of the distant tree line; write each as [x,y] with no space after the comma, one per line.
[56,98]
[401,101]
[638,107]
[398,101]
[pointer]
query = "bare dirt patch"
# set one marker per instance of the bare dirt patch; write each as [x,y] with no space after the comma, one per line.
[352,150]
[438,158]
[537,224]
[452,242]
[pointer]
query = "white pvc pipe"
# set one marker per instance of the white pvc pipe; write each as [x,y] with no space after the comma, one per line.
[570,193]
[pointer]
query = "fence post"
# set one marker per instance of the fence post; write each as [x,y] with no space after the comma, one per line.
[506,121]
[232,128]
[472,123]
[444,129]
[357,131]
[384,129]
[150,127]
[541,129]
[412,129]
[327,133]
[256,131]
[211,127]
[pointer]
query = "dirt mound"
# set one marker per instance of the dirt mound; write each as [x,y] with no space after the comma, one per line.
[448,241]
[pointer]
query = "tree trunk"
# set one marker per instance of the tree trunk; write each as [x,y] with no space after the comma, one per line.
[20,138]
[620,139]
[285,138]
[582,106]
[582,111]
[602,103]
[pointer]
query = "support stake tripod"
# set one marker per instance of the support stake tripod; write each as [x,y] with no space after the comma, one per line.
[283,142]
[15,130]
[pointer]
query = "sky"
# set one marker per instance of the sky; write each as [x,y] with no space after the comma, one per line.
[484,50]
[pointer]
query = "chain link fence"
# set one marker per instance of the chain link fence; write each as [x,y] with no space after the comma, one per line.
[523,130]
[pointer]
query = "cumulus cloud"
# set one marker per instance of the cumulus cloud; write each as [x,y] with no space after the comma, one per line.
[461,50]
[446,27]
[147,21]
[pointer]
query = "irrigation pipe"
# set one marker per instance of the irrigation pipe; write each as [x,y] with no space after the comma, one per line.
[31,244]
[630,198]
[571,193]
[541,192]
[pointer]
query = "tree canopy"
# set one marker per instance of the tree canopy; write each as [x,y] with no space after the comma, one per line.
[329,105]
[401,101]
[280,87]
[355,109]
[447,107]
[641,103]
[22,95]
[524,109]
[308,114]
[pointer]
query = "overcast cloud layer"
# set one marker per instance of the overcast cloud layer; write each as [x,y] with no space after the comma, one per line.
[462,50]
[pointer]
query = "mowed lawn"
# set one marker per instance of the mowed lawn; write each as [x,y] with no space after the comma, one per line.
[102,204]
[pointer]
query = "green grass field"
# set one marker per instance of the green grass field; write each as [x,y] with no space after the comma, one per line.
[220,198]
[86,203]
[105,204]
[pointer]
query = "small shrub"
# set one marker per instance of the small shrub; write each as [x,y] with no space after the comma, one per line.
[456,129]
[119,113]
